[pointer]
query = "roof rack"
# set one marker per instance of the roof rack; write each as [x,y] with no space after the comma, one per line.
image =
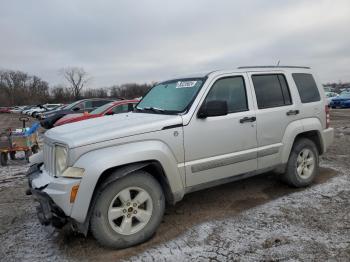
[273,66]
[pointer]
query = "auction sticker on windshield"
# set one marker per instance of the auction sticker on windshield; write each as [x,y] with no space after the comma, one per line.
[185,84]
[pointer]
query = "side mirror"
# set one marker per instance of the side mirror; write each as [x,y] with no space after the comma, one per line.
[213,108]
[76,109]
[109,113]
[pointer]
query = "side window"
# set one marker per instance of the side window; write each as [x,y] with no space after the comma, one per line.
[121,109]
[80,106]
[98,103]
[271,90]
[307,87]
[232,90]
[88,104]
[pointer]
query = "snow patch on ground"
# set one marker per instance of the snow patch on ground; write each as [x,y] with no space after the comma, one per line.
[14,171]
[292,227]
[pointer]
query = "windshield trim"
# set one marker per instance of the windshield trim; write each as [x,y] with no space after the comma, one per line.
[168,112]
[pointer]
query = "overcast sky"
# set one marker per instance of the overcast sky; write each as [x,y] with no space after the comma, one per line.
[138,41]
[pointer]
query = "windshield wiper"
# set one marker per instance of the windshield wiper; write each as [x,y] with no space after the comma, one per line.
[150,108]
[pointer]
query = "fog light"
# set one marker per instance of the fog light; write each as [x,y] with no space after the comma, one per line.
[73,193]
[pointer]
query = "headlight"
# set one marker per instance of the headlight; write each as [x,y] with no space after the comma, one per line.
[60,160]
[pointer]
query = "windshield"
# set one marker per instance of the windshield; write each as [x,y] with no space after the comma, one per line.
[101,109]
[173,96]
[345,95]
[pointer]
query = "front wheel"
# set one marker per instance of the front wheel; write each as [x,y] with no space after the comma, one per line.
[303,163]
[128,211]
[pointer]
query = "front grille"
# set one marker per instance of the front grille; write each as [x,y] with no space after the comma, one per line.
[49,161]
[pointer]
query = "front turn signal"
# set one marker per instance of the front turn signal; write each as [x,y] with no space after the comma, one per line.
[73,193]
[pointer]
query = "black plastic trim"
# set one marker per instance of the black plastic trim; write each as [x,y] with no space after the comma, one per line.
[172,126]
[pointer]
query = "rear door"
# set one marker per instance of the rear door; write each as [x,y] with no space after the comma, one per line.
[275,111]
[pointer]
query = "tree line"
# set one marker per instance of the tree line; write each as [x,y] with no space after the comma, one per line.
[19,88]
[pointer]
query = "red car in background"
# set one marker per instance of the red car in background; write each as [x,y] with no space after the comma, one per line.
[5,110]
[116,107]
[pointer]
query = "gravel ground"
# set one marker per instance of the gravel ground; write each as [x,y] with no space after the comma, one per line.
[257,219]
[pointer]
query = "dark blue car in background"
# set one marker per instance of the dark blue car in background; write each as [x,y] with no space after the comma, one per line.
[342,101]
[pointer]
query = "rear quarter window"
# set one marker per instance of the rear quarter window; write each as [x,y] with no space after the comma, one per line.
[307,87]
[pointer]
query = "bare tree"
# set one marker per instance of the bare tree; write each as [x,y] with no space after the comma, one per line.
[77,77]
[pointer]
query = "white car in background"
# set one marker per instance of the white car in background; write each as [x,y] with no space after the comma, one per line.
[41,108]
[17,109]
[27,109]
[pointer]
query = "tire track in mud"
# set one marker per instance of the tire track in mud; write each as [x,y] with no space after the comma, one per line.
[14,177]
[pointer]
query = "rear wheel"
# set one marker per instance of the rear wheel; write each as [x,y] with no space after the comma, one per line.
[3,159]
[303,163]
[128,211]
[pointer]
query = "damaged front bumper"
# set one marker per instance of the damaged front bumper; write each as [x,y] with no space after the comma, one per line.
[52,194]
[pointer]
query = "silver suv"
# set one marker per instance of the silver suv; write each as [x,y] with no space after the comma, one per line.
[114,174]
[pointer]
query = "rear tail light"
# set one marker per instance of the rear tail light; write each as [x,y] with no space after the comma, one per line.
[328,119]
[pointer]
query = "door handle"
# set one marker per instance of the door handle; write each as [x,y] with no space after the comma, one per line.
[247,119]
[292,112]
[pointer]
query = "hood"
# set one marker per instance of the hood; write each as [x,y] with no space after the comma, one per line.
[339,98]
[67,118]
[70,116]
[110,127]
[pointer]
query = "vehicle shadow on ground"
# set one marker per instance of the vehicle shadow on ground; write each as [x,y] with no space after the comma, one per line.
[207,205]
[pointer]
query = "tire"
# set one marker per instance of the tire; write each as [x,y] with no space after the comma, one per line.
[13,155]
[303,163]
[111,232]
[3,159]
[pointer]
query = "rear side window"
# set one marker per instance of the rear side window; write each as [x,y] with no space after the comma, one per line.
[271,90]
[231,90]
[307,87]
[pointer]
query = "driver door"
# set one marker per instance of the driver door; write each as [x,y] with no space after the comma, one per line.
[222,146]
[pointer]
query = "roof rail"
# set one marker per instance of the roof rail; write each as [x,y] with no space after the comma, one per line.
[273,66]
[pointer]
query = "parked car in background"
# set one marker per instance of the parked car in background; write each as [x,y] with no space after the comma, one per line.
[17,109]
[330,96]
[5,110]
[114,175]
[81,106]
[26,109]
[43,115]
[44,108]
[341,101]
[111,108]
